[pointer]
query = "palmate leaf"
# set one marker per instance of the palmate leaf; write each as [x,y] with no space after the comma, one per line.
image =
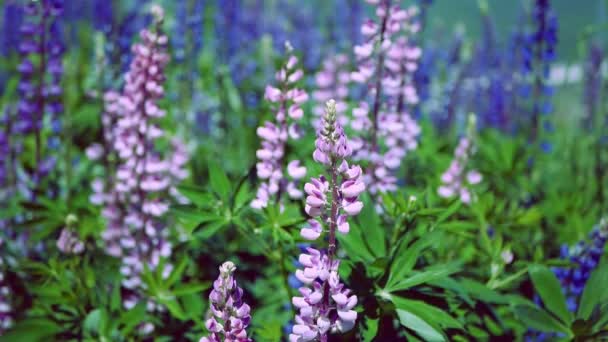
[369,329]
[32,330]
[375,234]
[539,319]
[220,184]
[550,291]
[198,196]
[406,256]
[422,328]
[432,274]
[354,245]
[595,292]
[431,314]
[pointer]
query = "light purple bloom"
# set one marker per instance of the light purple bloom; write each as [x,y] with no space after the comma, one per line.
[275,135]
[457,180]
[137,195]
[325,305]
[386,62]
[229,314]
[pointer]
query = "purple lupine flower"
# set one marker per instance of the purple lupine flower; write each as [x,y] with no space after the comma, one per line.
[69,243]
[386,61]
[229,314]
[325,304]
[458,178]
[136,198]
[41,69]
[271,156]
[6,319]
[332,83]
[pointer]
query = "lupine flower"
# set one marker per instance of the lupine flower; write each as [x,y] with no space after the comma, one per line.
[586,256]
[332,83]
[539,52]
[69,243]
[288,101]
[593,84]
[6,320]
[387,61]
[325,304]
[229,314]
[137,197]
[41,51]
[458,178]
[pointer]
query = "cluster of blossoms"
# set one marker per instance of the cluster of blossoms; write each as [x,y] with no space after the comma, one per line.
[586,256]
[229,314]
[274,135]
[458,179]
[387,61]
[332,83]
[325,304]
[539,47]
[136,197]
[41,69]
[69,242]
[6,320]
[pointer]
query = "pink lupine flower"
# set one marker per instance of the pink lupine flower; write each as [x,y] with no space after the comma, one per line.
[325,305]
[69,242]
[229,314]
[386,61]
[274,137]
[136,196]
[456,180]
[332,83]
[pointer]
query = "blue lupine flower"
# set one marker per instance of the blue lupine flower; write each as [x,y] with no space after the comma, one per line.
[39,86]
[585,256]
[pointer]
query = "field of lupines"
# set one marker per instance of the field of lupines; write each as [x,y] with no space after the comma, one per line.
[283,170]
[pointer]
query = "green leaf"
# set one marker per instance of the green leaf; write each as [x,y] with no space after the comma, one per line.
[198,196]
[538,319]
[32,330]
[369,329]
[431,314]
[406,256]
[424,277]
[595,291]
[132,318]
[190,289]
[550,291]
[220,183]
[95,321]
[369,222]
[210,229]
[354,245]
[482,292]
[422,328]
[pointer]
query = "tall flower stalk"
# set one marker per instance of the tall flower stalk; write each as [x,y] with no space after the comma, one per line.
[229,313]
[387,61]
[136,198]
[325,304]
[41,69]
[272,154]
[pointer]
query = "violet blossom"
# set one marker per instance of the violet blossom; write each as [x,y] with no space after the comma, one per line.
[288,101]
[332,83]
[229,314]
[325,304]
[386,61]
[137,196]
[458,178]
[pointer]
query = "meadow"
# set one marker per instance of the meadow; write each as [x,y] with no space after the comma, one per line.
[283,170]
